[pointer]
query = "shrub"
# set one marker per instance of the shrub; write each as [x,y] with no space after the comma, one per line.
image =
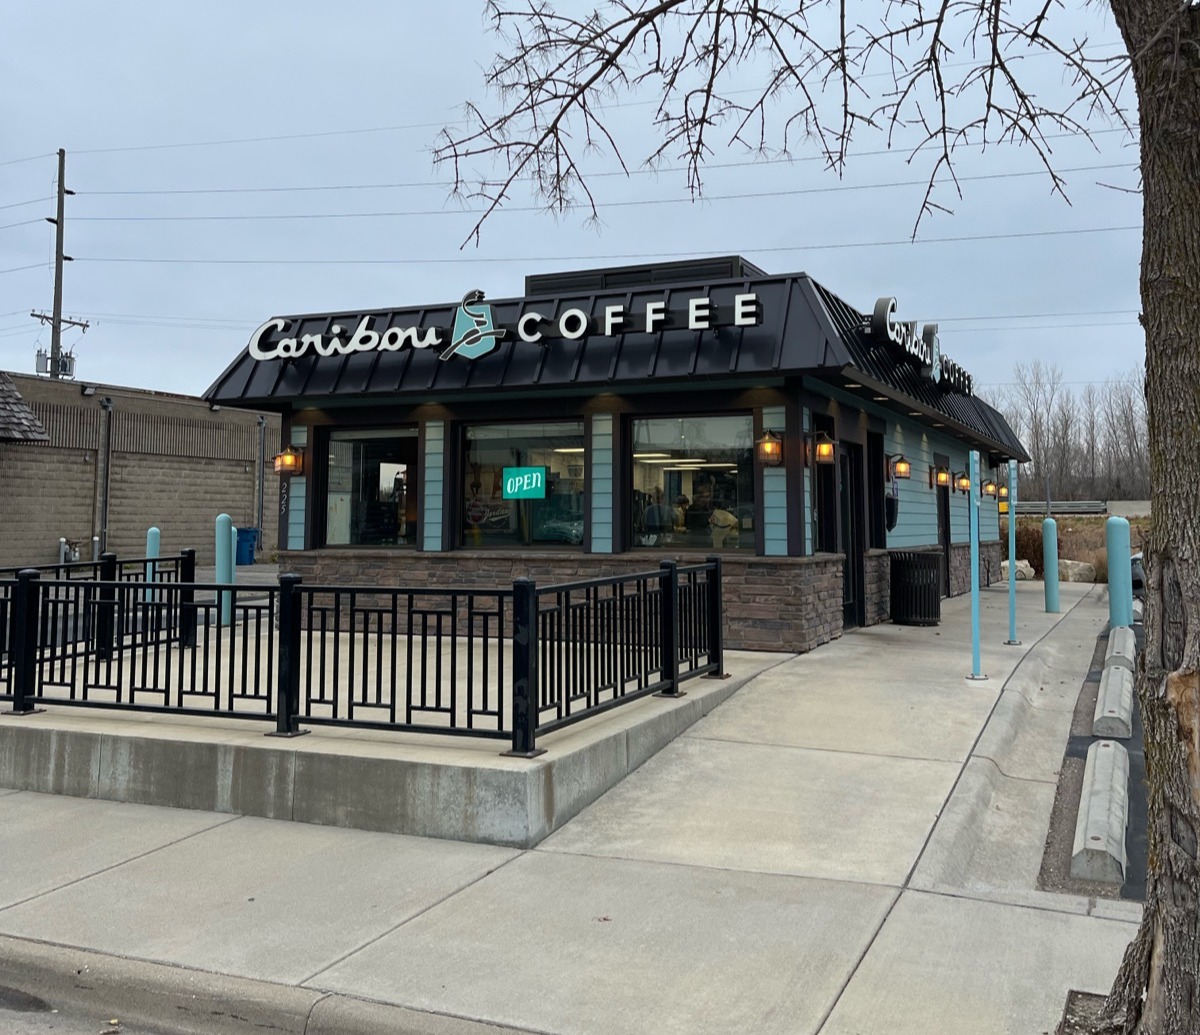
[1100,563]
[1029,546]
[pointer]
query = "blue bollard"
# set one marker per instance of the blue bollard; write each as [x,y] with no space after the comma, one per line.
[153,540]
[225,550]
[1120,572]
[1050,563]
[973,510]
[1012,640]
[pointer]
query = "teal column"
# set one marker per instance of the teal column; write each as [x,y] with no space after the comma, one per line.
[1012,640]
[226,549]
[1050,563]
[973,514]
[1120,572]
[153,541]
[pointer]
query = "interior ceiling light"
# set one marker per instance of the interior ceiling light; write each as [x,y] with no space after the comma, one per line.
[651,456]
[569,449]
[852,384]
[880,398]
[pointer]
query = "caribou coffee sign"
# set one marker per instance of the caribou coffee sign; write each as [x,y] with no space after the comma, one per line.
[922,349]
[474,332]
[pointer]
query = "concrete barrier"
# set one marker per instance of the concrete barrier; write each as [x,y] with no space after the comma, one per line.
[1099,850]
[1114,704]
[1122,648]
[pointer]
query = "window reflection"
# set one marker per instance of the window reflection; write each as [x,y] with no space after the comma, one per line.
[556,450]
[371,498]
[693,483]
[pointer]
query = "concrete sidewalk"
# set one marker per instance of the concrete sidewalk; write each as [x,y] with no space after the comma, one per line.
[848,844]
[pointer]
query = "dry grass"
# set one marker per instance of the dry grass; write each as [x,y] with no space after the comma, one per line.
[1082,538]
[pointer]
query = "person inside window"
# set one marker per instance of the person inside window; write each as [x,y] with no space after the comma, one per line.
[696,519]
[660,520]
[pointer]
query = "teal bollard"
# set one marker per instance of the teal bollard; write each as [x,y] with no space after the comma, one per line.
[153,541]
[1050,563]
[225,549]
[1120,572]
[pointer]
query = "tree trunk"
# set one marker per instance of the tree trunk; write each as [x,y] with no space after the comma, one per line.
[1158,987]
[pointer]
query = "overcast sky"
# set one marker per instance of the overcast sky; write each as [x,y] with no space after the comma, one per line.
[154,99]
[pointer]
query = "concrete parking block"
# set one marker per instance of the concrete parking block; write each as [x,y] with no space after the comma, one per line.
[255,898]
[1114,704]
[769,809]
[1122,648]
[943,964]
[62,840]
[1099,849]
[572,945]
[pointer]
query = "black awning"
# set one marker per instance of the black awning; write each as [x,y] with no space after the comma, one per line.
[749,328]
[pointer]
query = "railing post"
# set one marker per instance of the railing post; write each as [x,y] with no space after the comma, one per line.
[525,670]
[187,598]
[669,634]
[716,620]
[25,642]
[287,687]
[106,606]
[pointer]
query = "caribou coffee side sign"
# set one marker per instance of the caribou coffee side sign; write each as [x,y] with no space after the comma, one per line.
[923,349]
[474,332]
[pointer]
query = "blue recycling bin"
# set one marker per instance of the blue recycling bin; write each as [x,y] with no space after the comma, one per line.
[247,541]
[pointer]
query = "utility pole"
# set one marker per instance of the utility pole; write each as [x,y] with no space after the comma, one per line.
[56,321]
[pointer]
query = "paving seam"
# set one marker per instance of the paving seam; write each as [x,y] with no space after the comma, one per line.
[117,865]
[929,836]
[965,895]
[828,751]
[408,919]
[857,882]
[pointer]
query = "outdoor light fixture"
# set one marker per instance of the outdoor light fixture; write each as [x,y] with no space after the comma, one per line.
[939,477]
[769,449]
[87,389]
[1004,492]
[901,466]
[822,448]
[989,488]
[962,482]
[290,461]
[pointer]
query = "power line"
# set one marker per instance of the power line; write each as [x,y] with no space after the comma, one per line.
[1032,316]
[27,222]
[651,170]
[1042,327]
[18,269]
[22,204]
[461,259]
[638,203]
[31,158]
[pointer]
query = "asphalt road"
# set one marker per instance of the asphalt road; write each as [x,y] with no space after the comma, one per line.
[22,1014]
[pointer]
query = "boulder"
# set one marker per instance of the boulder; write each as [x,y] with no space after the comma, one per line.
[1024,570]
[1076,571]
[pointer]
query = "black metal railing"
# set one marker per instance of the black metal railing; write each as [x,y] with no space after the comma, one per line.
[514,663]
[110,568]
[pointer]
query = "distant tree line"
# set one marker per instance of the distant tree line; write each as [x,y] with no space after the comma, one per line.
[1090,444]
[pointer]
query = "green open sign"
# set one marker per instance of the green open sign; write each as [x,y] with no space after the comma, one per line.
[524,483]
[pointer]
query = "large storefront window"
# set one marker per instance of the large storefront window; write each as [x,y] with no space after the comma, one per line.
[522,485]
[371,498]
[693,483]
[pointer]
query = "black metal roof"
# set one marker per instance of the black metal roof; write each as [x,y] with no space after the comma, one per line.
[805,330]
[17,421]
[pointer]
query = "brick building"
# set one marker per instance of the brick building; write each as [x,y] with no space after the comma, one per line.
[81,460]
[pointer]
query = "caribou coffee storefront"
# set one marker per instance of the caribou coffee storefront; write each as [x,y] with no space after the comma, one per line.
[613,418]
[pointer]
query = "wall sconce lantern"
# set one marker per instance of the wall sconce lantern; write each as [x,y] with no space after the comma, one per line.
[962,482]
[901,466]
[939,477]
[822,448]
[989,488]
[769,449]
[1003,492]
[290,461]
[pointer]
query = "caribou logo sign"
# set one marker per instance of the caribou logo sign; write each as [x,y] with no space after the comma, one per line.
[924,348]
[474,333]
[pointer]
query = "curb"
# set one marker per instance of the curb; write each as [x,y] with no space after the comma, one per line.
[179,1001]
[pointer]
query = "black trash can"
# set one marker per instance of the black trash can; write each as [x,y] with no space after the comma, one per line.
[916,587]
